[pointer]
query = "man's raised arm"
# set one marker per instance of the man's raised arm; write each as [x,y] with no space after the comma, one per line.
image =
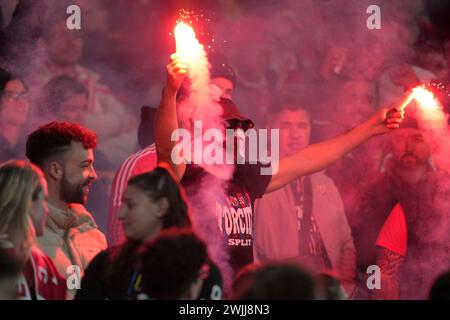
[166,120]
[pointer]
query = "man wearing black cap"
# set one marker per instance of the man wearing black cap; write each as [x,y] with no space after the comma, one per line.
[223,82]
[223,78]
[233,208]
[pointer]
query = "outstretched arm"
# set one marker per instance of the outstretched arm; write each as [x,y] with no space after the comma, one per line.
[318,156]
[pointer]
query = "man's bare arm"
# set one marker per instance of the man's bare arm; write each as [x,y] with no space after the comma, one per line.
[166,120]
[318,156]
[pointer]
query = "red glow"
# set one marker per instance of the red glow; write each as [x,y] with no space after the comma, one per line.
[425,99]
[187,45]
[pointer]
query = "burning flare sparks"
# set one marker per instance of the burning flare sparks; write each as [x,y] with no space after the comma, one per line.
[425,99]
[187,45]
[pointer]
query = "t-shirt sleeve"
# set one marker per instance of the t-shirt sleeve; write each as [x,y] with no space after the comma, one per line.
[393,234]
[255,180]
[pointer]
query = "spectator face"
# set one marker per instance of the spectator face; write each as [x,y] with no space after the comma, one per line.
[409,148]
[74,108]
[295,130]
[403,75]
[140,215]
[356,101]
[78,174]
[368,64]
[64,46]
[39,209]
[14,104]
[225,85]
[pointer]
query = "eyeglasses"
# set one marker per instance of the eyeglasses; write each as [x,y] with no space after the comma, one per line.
[15,96]
[236,124]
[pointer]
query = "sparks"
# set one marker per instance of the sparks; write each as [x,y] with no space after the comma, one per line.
[202,25]
[425,99]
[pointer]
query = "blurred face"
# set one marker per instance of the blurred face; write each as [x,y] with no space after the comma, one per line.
[409,148]
[356,101]
[64,46]
[295,130]
[78,175]
[39,209]
[284,23]
[403,75]
[14,104]
[368,64]
[73,108]
[432,60]
[238,140]
[140,215]
[225,85]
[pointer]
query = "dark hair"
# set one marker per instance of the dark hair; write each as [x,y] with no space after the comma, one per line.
[5,77]
[441,287]
[223,70]
[171,262]
[58,90]
[244,278]
[425,45]
[157,184]
[55,138]
[9,267]
[161,183]
[330,286]
[220,67]
[294,104]
[280,282]
[290,103]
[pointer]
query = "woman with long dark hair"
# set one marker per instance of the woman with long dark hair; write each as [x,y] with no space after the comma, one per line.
[152,202]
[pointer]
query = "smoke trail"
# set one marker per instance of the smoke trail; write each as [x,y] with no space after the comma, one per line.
[437,131]
[433,260]
[200,106]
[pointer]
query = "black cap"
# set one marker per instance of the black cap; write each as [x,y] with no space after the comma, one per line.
[221,68]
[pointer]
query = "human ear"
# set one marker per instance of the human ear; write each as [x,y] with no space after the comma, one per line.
[55,171]
[163,205]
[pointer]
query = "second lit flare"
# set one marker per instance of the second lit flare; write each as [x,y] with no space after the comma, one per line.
[425,99]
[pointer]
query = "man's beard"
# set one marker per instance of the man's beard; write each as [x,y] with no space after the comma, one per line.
[71,193]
